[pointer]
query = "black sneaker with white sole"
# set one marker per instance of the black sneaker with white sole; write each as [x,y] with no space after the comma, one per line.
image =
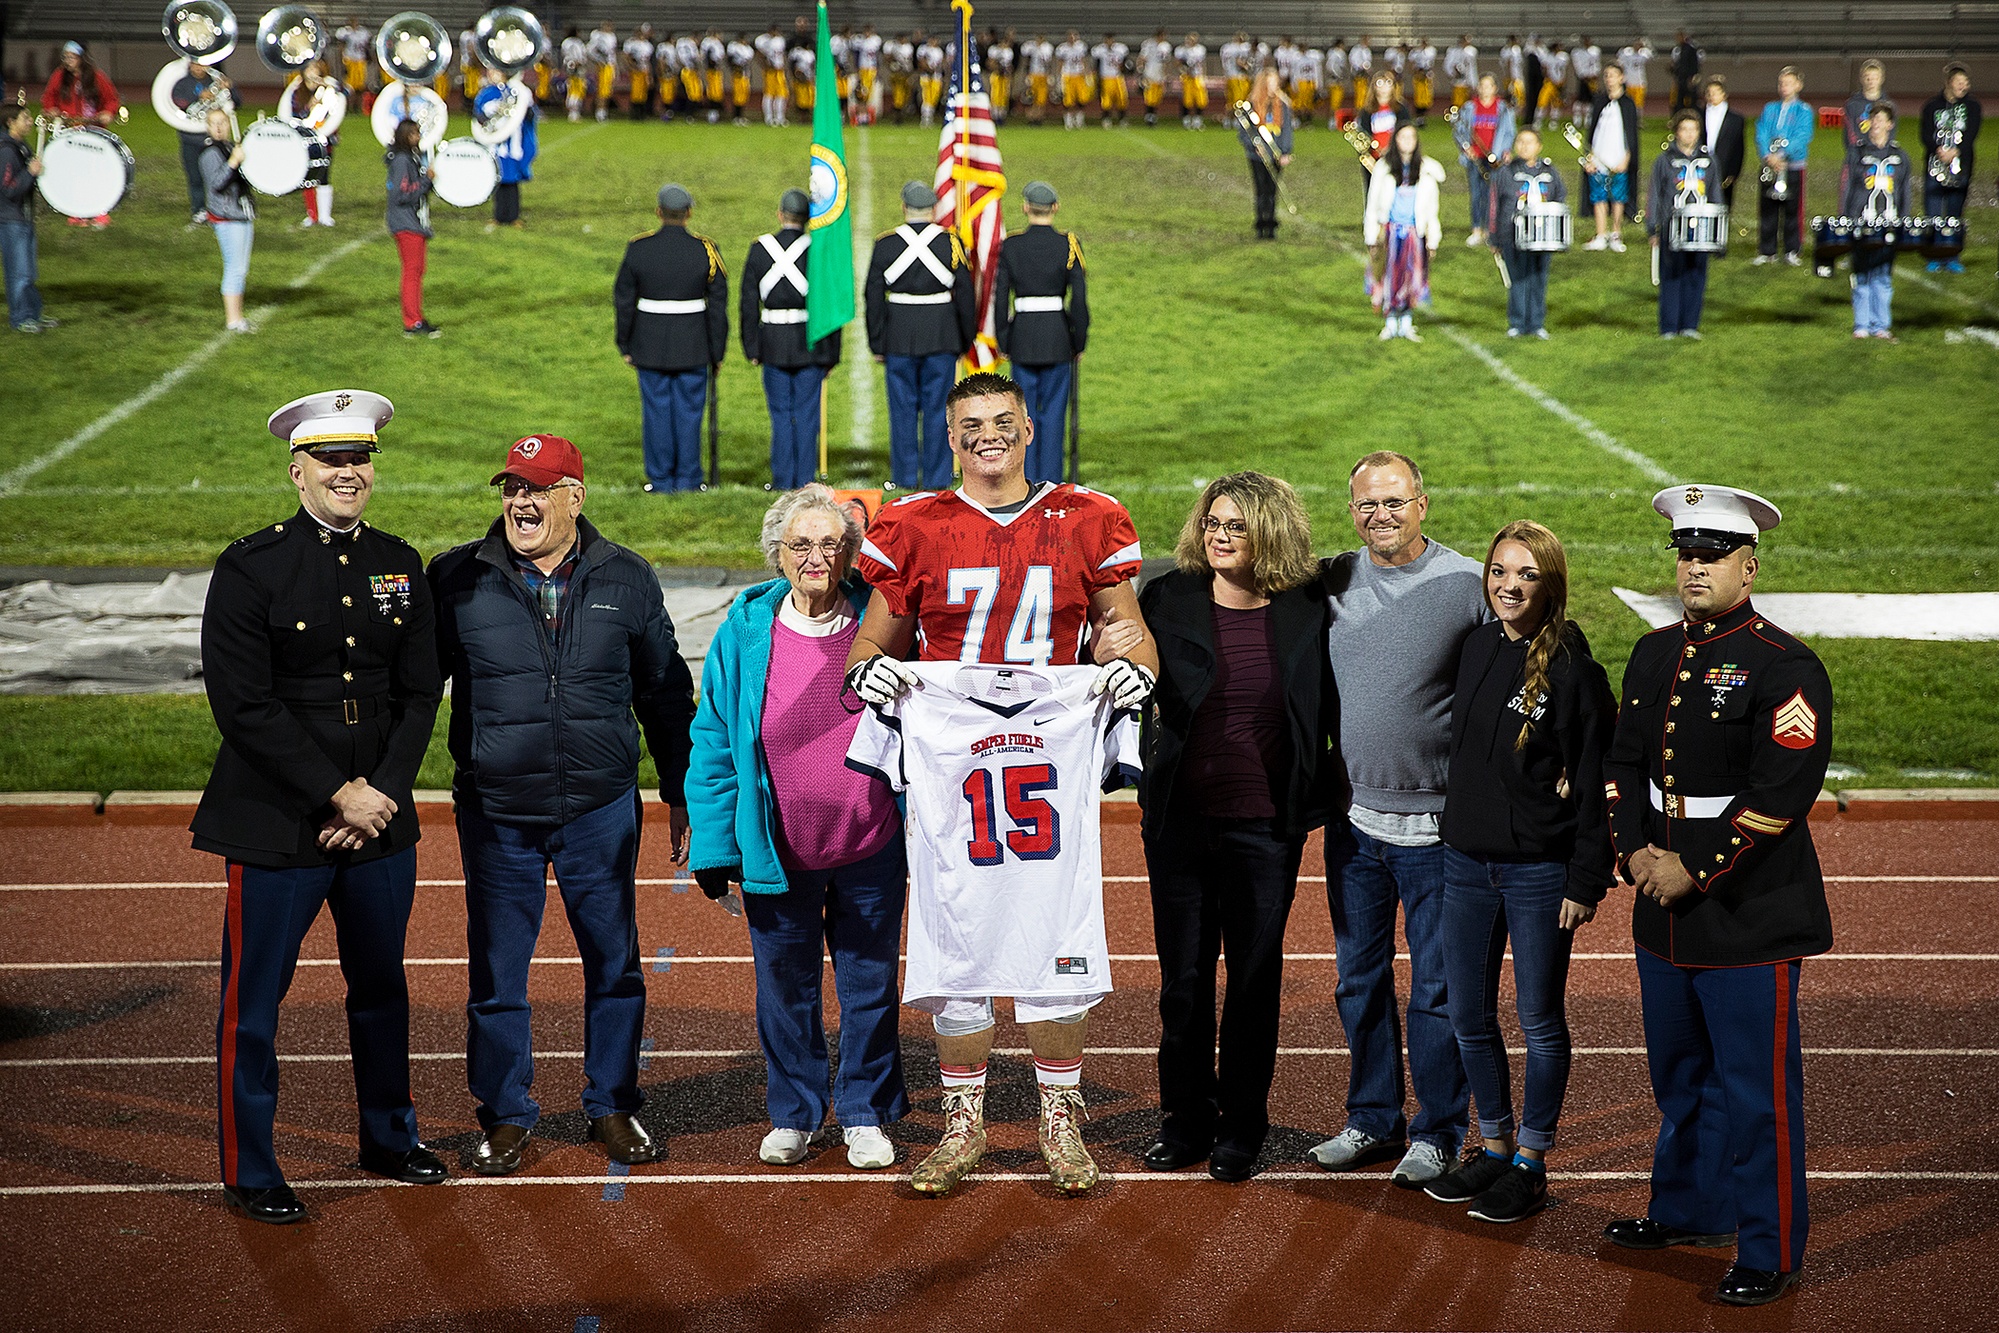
[1469,1180]
[1516,1195]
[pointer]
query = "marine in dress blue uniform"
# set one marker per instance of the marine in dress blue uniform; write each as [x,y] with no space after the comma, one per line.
[1045,325]
[317,651]
[921,313]
[772,321]
[672,298]
[1721,747]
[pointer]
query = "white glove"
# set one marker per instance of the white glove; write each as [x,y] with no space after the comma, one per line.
[1127,683]
[881,679]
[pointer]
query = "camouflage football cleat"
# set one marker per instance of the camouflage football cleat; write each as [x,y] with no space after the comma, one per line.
[964,1142]
[1070,1166]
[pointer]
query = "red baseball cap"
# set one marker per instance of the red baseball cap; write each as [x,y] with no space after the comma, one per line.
[541,460]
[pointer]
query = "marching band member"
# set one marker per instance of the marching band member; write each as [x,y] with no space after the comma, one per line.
[354,42]
[769,46]
[639,60]
[1336,83]
[1074,58]
[920,312]
[1610,172]
[672,300]
[1379,116]
[574,53]
[1853,124]
[1039,332]
[1783,140]
[1878,190]
[1681,175]
[1152,58]
[1534,74]
[929,77]
[1270,113]
[230,212]
[1484,133]
[78,92]
[1633,59]
[1040,56]
[1587,61]
[1950,124]
[200,81]
[409,185]
[601,51]
[772,325]
[1721,136]
[1112,94]
[1422,76]
[298,109]
[515,155]
[1523,177]
[1461,67]
[1402,230]
[19,167]
[1513,73]
[1235,58]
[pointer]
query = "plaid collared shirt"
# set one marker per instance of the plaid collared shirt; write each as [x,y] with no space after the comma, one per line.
[550,589]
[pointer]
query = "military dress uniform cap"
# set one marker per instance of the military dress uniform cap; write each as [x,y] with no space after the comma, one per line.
[1715,518]
[1040,193]
[342,419]
[541,460]
[675,199]
[794,203]
[918,194]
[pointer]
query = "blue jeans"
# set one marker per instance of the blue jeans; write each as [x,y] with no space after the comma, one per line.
[916,389]
[1485,904]
[1365,879]
[793,399]
[1527,299]
[1874,299]
[1047,390]
[856,912]
[506,872]
[235,238]
[1682,287]
[1481,196]
[17,255]
[671,403]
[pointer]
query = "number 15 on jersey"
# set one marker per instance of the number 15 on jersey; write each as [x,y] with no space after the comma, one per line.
[1036,832]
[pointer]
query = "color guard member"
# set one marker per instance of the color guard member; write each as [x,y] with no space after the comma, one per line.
[772,322]
[1042,335]
[921,314]
[672,298]
[321,669]
[1720,751]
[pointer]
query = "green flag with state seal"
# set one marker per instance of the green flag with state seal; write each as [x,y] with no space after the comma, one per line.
[829,262]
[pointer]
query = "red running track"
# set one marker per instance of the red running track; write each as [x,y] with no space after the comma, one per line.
[109,1212]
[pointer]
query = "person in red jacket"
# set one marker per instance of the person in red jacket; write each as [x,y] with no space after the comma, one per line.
[79,92]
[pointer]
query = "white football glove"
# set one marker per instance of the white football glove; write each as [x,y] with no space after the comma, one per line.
[1125,681]
[881,679]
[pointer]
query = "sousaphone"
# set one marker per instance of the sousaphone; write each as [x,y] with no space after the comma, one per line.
[201,32]
[412,49]
[507,39]
[289,38]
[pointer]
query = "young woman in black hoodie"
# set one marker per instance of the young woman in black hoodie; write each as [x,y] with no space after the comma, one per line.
[1528,856]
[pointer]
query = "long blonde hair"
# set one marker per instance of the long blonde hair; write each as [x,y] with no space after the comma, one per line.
[1266,94]
[1279,536]
[1552,564]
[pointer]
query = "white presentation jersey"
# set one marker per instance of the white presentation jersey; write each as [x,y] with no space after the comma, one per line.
[714,54]
[1634,60]
[1075,58]
[1002,769]
[1193,59]
[468,53]
[1285,58]
[1393,58]
[668,57]
[1153,56]
[930,58]
[770,48]
[999,58]
[1235,59]
[1110,58]
[1040,55]
[741,56]
[1555,66]
[901,56]
[1467,72]
[602,47]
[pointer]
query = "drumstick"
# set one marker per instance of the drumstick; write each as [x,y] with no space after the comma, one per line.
[1505,278]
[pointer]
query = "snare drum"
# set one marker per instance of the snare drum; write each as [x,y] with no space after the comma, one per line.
[1700,228]
[86,171]
[466,173]
[282,158]
[1943,238]
[1831,238]
[1542,227]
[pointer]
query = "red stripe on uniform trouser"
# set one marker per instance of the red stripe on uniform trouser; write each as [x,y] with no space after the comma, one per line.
[410,245]
[1780,1049]
[232,980]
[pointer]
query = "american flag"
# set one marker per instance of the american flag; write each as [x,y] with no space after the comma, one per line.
[968,157]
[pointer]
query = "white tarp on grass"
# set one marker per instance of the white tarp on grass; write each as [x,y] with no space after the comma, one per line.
[1960,616]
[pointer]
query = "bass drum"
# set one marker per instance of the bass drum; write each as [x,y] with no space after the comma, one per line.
[281,158]
[466,173]
[400,101]
[86,171]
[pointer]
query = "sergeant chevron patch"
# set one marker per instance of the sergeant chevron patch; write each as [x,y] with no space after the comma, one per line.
[1757,822]
[1794,725]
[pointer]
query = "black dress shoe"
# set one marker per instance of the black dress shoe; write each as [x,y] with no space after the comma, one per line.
[625,1139]
[1753,1286]
[1168,1155]
[418,1166]
[1231,1163]
[1642,1233]
[499,1153]
[276,1205]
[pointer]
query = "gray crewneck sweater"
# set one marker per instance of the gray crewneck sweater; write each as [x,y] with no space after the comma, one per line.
[1394,645]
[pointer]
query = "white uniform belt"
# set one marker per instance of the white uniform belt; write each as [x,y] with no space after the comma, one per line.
[919,298]
[1031,305]
[1691,807]
[770,316]
[693,307]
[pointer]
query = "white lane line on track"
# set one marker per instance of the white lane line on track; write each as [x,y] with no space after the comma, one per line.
[218,886]
[782,1177]
[745,960]
[861,367]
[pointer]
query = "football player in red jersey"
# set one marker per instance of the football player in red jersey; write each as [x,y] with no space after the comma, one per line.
[1003,571]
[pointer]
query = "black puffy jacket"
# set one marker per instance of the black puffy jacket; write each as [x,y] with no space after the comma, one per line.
[542,729]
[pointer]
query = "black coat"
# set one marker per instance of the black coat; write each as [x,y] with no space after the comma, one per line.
[1179,611]
[542,732]
[303,630]
[1736,711]
[779,344]
[672,264]
[900,329]
[1726,150]
[1042,261]
[17,183]
[1940,110]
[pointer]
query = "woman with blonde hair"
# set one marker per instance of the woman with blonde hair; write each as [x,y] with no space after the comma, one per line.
[1527,856]
[1267,139]
[1237,772]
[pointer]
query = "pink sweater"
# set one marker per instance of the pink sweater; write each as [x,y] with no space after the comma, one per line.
[827,814]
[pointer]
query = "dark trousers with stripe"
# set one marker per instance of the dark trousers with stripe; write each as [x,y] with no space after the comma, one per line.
[267,917]
[671,403]
[1727,1068]
[917,387]
[1047,390]
[793,399]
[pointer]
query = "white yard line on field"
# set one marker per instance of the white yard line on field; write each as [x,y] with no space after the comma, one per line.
[1948,293]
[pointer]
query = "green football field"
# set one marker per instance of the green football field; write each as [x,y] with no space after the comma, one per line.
[134,433]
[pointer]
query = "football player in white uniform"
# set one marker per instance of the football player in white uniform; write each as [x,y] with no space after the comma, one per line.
[1192,58]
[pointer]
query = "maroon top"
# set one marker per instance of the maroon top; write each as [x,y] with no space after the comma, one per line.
[1237,745]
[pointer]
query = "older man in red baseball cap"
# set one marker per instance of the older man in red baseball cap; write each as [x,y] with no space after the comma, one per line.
[559,650]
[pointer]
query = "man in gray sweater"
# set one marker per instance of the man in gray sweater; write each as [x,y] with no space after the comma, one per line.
[1401,608]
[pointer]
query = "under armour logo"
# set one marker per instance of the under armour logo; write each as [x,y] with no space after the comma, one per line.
[1055,513]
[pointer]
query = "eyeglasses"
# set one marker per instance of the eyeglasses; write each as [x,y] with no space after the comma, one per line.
[829,549]
[513,486]
[1366,508]
[1234,527]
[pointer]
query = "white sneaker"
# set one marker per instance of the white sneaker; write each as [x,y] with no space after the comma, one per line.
[1616,244]
[1598,243]
[1423,1163]
[1793,259]
[1542,334]
[1345,1150]
[1476,239]
[307,222]
[785,1147]
[1761,260]
[868,1148]
[1513,333]
[1388,329]
[1408,331]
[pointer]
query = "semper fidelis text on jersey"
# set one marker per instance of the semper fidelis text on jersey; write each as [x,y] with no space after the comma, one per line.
[1723,733]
